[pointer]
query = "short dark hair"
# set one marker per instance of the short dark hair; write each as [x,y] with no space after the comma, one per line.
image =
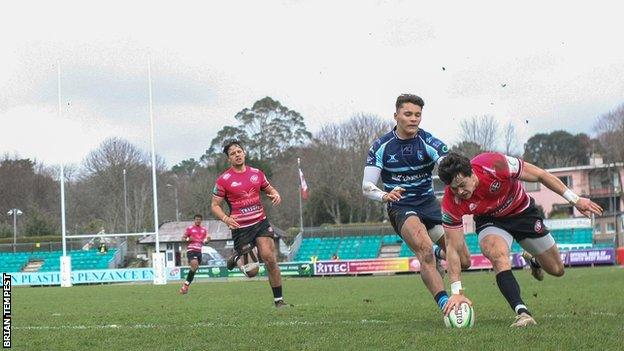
[198,216]
[452,165]
[405,98]
[229,144]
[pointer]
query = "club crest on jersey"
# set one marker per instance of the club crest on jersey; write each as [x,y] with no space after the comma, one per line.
[392,158]
[407,150]
[254,179]
[472,206]
[420,155]
[539,227]
[495,186]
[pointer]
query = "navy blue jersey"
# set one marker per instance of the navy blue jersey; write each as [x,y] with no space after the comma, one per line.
[408,164]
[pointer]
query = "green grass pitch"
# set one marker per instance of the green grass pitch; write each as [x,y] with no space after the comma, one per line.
[582,310]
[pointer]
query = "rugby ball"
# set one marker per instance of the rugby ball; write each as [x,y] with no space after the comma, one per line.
[463,318]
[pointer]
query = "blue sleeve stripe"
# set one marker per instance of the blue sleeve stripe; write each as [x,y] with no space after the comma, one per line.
[433,153]
[412,168]
[407,185]
[379,154]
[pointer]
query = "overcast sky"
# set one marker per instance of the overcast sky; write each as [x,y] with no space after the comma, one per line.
[563,66]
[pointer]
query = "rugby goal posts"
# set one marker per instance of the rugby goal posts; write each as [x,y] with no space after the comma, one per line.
[158,258]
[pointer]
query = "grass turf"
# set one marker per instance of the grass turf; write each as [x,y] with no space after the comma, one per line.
[582,310]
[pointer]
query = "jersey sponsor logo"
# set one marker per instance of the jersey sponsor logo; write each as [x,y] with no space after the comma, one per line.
[407,150]
[436,144]
[495,186]
[254,179]
[408,178]
[226,176]
[235,184]
[539,227]
[250,209]
[392,158]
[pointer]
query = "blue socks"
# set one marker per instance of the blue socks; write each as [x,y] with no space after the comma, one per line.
[441,299]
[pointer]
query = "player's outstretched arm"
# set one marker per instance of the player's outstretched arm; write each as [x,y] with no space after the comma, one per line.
[532,173]
[454,244]
[217,211]
[272,193]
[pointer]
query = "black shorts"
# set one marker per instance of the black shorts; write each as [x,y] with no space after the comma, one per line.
[428,212]
[194,255]
[245,236]
[528,224]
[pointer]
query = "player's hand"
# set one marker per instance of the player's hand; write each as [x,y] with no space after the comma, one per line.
[587,207]
[394,195]
[454,301]
[231,222]
[276,199]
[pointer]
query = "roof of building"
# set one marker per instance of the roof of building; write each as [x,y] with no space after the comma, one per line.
[585,167]
[172,231]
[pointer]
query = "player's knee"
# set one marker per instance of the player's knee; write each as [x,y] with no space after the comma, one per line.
[425,256]
[465,264]
[269,261]
[559,270]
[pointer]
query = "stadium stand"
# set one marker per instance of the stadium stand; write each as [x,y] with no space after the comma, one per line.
[50,261]
[372,246]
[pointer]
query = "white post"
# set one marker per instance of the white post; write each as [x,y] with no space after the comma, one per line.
[300,201]
[65,260]
[14,228]
[158,257]
[125,199]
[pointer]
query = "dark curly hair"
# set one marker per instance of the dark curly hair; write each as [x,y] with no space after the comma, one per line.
[452,165]
[405,98]
[226,147]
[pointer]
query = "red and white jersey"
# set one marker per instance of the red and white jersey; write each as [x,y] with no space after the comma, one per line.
[197,235]
[241,191]
[498,194]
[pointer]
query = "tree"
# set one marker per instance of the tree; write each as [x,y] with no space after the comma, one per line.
[510,139]
[267,129]
[99,193]
[27,184]
[186,167]
[467,148]
[610,129]
[481,130]
[558,149]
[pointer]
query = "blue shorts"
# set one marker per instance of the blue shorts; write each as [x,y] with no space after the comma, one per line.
[428,212]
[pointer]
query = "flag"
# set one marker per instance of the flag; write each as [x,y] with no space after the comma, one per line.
[304,186]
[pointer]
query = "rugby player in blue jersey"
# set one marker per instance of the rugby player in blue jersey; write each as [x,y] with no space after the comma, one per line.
[405,158]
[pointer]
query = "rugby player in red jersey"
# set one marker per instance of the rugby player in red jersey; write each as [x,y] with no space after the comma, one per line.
[197,235]
[240,187]
[489,187]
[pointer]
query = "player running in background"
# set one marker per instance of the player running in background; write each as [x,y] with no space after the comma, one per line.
[240,187]
[489,188]
[197,235]
[405,158]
